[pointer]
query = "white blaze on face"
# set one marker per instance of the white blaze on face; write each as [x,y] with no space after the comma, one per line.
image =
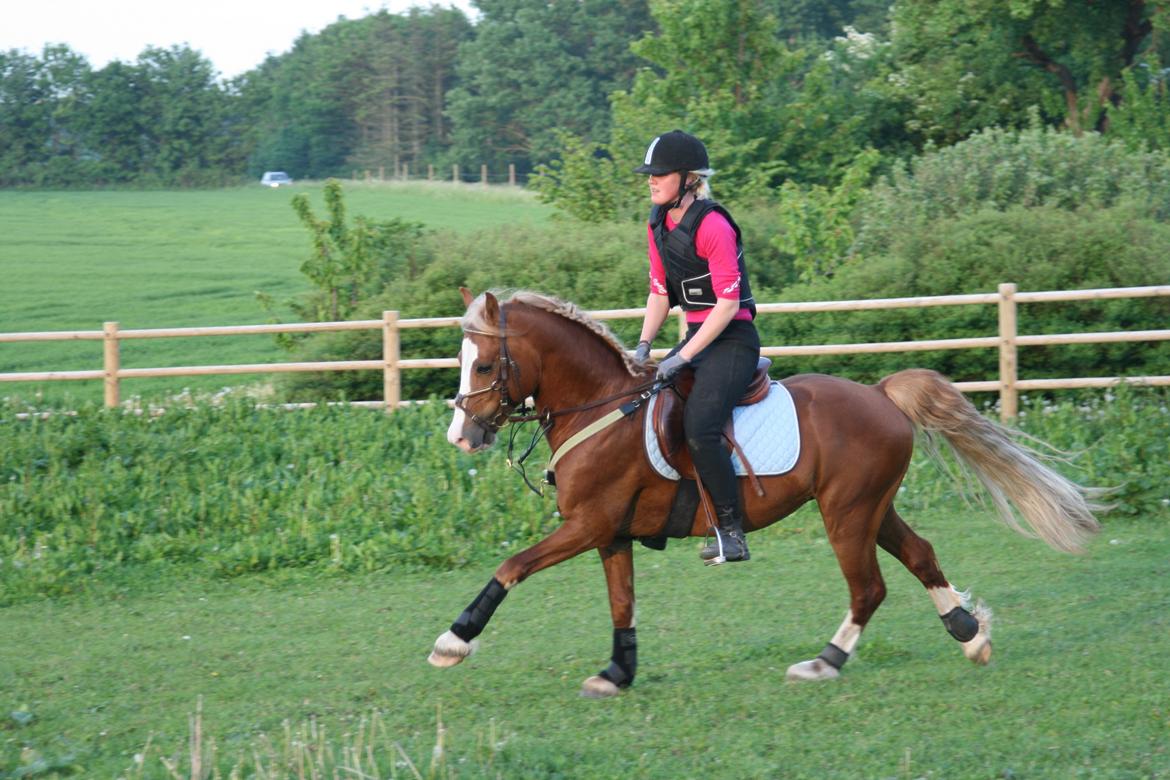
[468,353]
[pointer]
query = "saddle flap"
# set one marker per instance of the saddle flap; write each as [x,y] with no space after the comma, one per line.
[757,389]
[668,428]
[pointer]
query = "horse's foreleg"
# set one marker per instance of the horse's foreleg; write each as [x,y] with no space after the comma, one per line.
[618,560]
[971,629]
[458,642]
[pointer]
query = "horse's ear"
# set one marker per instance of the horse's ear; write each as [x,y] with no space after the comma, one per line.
[468,296]
[491,307]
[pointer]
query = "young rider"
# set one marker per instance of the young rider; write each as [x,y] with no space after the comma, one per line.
[696,262]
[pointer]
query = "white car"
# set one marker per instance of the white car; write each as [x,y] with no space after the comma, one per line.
[275,179]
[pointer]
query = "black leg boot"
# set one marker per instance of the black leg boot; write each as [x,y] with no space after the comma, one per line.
[730,540]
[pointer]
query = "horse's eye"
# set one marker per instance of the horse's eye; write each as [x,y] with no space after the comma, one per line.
[483,368]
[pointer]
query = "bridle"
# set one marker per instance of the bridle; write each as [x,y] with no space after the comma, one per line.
[506,368]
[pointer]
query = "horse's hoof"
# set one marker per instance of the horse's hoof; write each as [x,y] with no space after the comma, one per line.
[450,650]
[816,669]
[978,650]
[597,687]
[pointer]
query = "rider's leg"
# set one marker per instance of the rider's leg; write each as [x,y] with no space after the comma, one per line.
[722,373]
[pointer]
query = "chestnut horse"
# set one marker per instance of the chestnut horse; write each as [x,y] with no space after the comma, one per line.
[856,442]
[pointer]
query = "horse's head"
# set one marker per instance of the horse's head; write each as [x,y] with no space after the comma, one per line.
[489,378]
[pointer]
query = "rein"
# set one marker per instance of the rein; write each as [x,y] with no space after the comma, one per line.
[506,410]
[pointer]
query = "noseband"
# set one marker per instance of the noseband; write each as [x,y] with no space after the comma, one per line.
[507,367]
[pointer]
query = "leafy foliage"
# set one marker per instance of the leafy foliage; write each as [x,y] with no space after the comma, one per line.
[999,169]
[1042,209]
[233,489]
[161,120]
[815,223]
[350,262]
[338,489]
[536,68]
[366,94]
[780,90]
[969,65]
[1142,119]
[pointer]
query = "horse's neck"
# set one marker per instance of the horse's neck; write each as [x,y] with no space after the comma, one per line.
[577,370]
[576,377]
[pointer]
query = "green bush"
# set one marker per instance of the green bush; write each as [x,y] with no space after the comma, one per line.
[1043,248]
[1042,209]
[1003,169]
[234,489]
[94,496]
[595,266]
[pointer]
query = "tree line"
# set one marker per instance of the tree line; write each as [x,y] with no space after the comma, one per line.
[783,91]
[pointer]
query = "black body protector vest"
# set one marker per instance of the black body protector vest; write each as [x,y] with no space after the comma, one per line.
[688,278]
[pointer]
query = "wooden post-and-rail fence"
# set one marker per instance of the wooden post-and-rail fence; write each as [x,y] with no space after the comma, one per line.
[1008,341]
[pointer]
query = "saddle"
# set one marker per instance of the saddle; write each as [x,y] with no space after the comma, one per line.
[668,421]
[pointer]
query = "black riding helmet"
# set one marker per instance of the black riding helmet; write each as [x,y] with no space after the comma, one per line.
[676,151]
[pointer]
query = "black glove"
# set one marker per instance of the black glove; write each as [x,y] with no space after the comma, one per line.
[642,352]
[671,366]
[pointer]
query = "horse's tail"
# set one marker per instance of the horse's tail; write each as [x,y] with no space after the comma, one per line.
[1059,510]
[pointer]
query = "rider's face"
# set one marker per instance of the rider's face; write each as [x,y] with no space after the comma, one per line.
[664,188]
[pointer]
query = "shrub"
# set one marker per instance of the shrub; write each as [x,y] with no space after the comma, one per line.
[1037,248]
[1003,169]
[227,490]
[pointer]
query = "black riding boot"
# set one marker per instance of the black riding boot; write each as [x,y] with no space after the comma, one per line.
[730,540]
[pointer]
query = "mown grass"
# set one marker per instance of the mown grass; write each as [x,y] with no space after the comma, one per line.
[72,260]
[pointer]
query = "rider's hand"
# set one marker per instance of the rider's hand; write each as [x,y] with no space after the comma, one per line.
[642,353]
[671,366]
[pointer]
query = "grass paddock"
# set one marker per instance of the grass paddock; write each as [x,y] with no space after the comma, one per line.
[72,260]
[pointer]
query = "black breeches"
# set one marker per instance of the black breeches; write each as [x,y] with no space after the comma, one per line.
[722,373]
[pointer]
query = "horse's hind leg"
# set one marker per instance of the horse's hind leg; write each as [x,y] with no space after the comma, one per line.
[852,535]
[972,630]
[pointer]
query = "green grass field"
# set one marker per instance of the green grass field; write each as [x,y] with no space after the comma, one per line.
[1076,687]
[73,260]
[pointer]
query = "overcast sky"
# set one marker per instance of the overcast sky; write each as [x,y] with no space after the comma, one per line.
[235,35]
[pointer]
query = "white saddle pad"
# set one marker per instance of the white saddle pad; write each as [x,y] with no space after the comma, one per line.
[767,432]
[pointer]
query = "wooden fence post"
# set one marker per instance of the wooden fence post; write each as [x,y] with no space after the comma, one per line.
[430,173]
[1009,397]
[391,382]
[483,175]
[111,364]
[512,174]
[454,174]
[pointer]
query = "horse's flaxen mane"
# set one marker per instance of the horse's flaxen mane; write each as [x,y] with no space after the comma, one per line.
[474,319]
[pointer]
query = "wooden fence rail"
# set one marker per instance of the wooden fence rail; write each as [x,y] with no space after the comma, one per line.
[1007,340]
